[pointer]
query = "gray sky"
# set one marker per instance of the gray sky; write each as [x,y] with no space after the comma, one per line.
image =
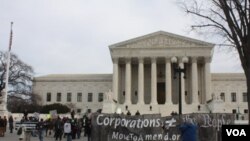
[72,36]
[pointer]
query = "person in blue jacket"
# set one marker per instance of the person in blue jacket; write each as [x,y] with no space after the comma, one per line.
[188,131]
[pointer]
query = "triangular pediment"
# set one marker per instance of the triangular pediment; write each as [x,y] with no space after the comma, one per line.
[161,39]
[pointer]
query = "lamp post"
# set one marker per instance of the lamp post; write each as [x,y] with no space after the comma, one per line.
[179,70]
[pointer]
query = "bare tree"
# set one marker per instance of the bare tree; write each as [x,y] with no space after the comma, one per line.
[20,75]
[230,20]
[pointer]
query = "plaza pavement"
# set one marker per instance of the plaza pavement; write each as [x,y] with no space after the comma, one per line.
[14,137]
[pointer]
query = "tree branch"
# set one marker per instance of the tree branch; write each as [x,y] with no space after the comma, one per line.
[216,24]
[241,14]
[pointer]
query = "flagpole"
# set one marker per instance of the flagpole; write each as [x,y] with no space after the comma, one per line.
[7,70]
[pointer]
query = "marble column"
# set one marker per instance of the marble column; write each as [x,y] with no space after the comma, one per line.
[115,78]
[207,79]
[141,81]
[168,82]
[227,95]
[153,81]
[194,81]
[128,82]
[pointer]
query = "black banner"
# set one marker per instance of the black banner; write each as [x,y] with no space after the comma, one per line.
[115,127]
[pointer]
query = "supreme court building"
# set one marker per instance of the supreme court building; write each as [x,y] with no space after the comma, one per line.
[145,79]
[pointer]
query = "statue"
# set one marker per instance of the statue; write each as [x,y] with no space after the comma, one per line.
[109,96]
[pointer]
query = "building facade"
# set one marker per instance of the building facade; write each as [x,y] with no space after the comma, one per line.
[78,91]
[145,79]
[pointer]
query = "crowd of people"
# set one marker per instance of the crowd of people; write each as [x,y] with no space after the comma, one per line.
[3,125]
[70,128]
[63,127]
[60,127]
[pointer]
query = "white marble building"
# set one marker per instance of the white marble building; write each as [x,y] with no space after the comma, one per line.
[79,91]
[143,79]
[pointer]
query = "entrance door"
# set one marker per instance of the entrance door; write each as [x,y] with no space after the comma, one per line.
[161,93]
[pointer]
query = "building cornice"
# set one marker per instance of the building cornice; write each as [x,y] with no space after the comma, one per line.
[228,77]
[74,78]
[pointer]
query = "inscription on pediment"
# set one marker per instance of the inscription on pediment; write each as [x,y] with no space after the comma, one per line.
[161,41]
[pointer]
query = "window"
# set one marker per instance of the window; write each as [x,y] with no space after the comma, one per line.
[79,97]
[48,97]
[222,96]
[245,111]
[89,110]
[233,97]
[244,97]
[78,110]
[69,97]
[90,97]
[58,97]
[234,111]
[100,97]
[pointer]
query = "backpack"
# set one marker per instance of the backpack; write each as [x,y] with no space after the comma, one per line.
[40,126]
[58,125]
[19,131]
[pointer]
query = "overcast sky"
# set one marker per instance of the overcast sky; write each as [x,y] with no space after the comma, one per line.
[72,36]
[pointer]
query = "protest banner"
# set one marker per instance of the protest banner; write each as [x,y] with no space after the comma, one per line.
[115,127]
[53,114]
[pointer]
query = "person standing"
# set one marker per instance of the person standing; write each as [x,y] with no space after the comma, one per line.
[79,128]
[73,129]
[188,131]
[5,122]
[67,130]
[25,114]
[128,113]
[58,129]
[11,124]
[137,113]
[84,124]
[1,127]
[88,129]
[40,129]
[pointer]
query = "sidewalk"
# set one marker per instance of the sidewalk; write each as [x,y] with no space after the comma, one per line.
[14,137]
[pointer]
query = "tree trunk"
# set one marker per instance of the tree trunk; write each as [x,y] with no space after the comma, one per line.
[246,67]
[247,72]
